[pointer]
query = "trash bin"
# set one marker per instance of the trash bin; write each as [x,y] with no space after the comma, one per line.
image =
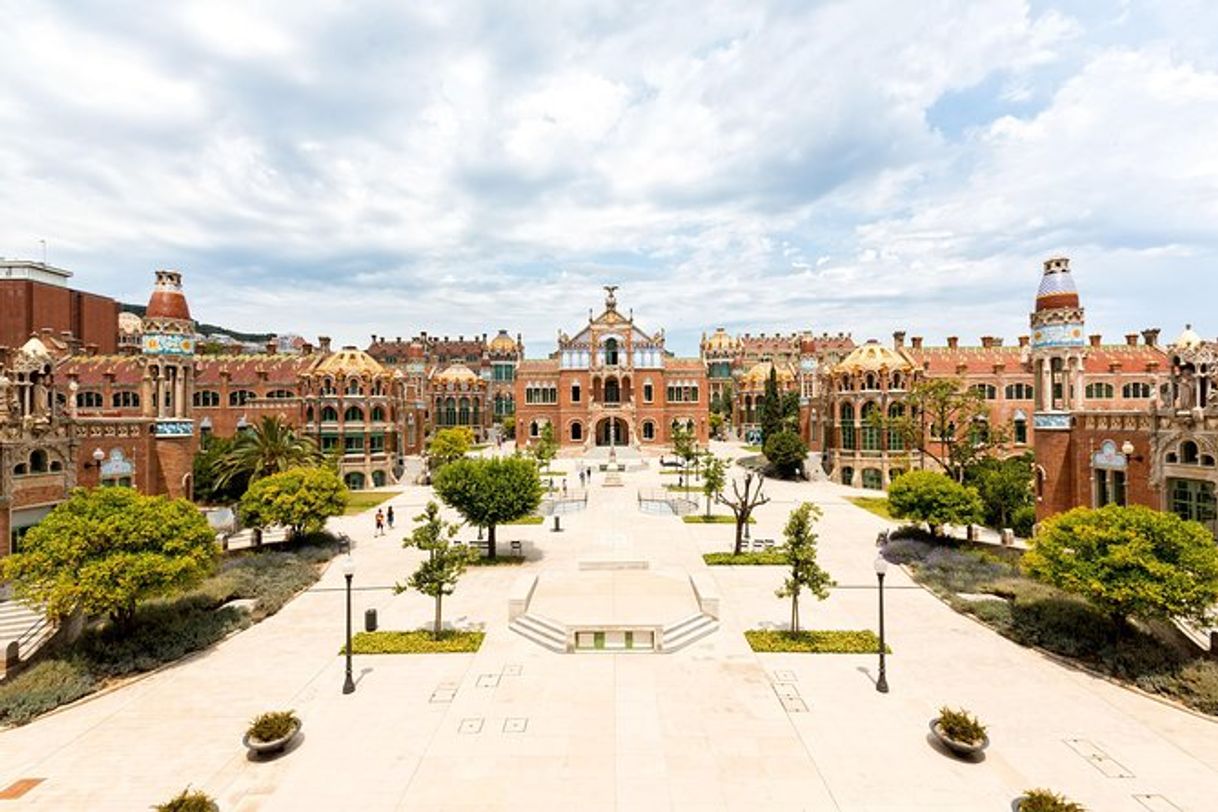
[370,620]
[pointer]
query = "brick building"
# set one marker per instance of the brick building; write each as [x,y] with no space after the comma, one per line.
[611,384]
[35,297]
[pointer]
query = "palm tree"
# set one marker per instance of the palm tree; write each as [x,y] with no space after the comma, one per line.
[267,448]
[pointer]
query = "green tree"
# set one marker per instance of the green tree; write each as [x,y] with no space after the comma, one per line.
[269,447]
[789,411]
[437,574]
[685,446]
[207,489]
[934,498]
[509,427]
[490,491]
[771,407]
[103,550]
[717,423]
[948,423]
[714,477]
[1128,561]
[743,503]
[449,445]
[800,548]
[1005,487]
[544,448]
[300,498]
[786,452]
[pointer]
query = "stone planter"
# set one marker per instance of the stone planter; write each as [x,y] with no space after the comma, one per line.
[260,748]
[958,748]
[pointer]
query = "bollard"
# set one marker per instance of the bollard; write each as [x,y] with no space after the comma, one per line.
[370,620]
[557,528]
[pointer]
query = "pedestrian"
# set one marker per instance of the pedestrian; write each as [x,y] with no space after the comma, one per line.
[564,486]
[389,516]
[581,477]
[380,522]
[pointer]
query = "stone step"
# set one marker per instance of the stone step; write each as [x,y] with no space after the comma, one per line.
[690,633]
[673,628]
[544,633]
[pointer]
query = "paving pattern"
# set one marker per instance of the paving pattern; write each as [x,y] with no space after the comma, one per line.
[713,726]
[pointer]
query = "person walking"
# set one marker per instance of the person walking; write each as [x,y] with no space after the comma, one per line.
[564,486]
[380,522]
[389,516]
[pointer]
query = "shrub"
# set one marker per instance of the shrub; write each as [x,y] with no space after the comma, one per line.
[44,686]
[273,725]
[420,641]
[786,452]
[771,557]
[1042,800]
[188,801]
[718,518]
[934,498]
[834,641]
[1023,520]
[961,726]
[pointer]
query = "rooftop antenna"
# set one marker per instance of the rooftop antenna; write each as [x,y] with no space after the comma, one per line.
[44,251]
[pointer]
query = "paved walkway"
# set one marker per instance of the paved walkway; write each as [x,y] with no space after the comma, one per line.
[515,726]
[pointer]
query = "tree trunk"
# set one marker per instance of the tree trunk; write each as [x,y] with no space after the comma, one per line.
[795,612]
[708,506]
[490,541]
[439,600]
[739,534]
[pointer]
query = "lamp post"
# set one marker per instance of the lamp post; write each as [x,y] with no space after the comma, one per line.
[881,567]
[349,573]
[98,456]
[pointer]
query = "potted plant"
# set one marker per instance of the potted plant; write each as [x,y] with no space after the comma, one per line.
[960,732]
[1042,800]
[188,801]
[272,732]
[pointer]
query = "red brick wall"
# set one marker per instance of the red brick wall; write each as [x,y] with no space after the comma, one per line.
[95,321]
[28,307]
[1054,454]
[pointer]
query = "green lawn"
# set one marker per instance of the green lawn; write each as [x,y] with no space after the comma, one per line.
[753,449]
[769,558]
[833,641]
[528,520]
[359,501]
[716,518]
[682,488]
[419,641]
[873,504]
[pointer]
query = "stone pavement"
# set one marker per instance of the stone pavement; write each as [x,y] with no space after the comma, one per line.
[713,726]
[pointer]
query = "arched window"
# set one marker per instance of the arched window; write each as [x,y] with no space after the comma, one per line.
[88,400]
[476,411]
[378,414]
[577,431]
[353,414]
[38,461]
[378,479]
[450,412]
[847,427]
[869,381]
[327,387]
[987,391]
[206,399]
[847,475]
[1099,391]
[896,439]
[898,382]
[1136,389]
[873,479]
[354,480]
[535,429]
[240,397]
[1018,391]
[1188,453]
[1020,424]
[329,414]
[353,387]
[280,394]
[648,392]
[125,400]
[575,393]
[611,352]
[870,426]
[309,413]
[613,391]
[463,412]
[649,430]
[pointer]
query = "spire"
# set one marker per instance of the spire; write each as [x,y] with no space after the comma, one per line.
[1056,286]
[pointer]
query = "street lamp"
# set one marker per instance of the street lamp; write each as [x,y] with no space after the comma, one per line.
[881,567]
[98,456]
[349,573]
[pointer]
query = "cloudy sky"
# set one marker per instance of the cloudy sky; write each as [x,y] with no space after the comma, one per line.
[353,168]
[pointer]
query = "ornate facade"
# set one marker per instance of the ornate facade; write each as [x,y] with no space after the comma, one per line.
[611,384]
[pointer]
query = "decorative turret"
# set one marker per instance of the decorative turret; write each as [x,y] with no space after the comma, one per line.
[168,347]
[1058,345]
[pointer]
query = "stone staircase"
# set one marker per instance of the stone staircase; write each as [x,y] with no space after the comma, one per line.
[690,630]
[543,632]
[28,627]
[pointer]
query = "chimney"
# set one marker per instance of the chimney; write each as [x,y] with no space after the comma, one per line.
[1131,339]
[1094,339]
[987,341]
[916,342]
[898,339]
[997,341]
[1023,341]
[398,339]
[91,350]
[306,348]
[323,344]
[271,346]
[953,342]
[1151,337]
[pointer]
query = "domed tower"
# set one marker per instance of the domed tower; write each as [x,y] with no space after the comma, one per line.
[168,347]
[1058,346]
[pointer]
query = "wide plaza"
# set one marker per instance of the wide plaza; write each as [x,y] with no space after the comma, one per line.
[712,726]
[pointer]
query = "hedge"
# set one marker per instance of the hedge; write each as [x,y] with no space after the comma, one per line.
[700,518]
[771,558]
[833,641]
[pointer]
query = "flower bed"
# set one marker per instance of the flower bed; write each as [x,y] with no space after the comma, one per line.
[832,641]
[419,641]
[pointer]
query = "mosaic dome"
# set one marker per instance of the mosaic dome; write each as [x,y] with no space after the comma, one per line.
[873,357]
[719,341]
[167,300]
[1188,339]
[457,373]
[503,343]
[1056,286]
[760,373]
